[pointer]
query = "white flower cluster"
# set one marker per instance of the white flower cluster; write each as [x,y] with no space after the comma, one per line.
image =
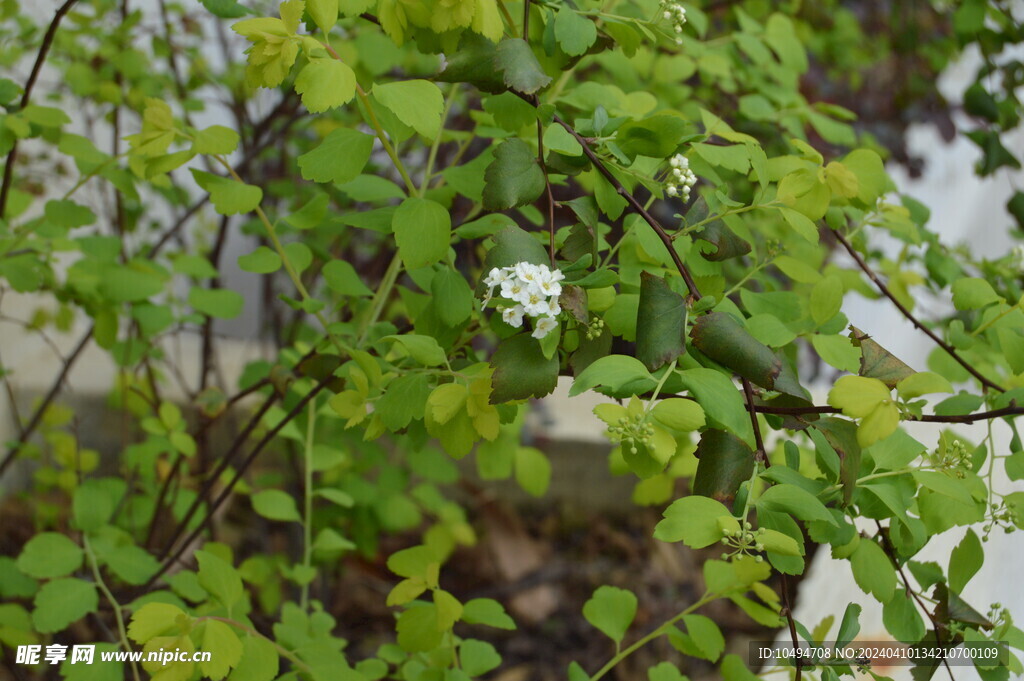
[682,179]
[674,12]
[534,289]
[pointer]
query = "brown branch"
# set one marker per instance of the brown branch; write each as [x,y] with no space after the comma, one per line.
[214,477]
[51,395]
[950,350]
[788,610]
[637,207]
[44,49]
[890,551]
[226,492]
[547,182]
[748,392]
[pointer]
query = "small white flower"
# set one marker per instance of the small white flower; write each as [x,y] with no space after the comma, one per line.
[496,277]
[550,288]
[544,326]
[513,316]
[671,190]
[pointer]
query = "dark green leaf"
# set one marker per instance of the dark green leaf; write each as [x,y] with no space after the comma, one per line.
[660,322]
[513,178]
[521,371]
[725,243]
[725,462]
[520,69]
[723,339]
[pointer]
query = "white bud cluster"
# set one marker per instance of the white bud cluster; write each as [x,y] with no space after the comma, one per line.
[682,179]
[534,289]
[674,13]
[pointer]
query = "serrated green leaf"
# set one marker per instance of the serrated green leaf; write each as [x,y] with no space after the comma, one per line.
[229,197]
[611,610]
[339,158]
[422,231]
[417,103]
[513,178]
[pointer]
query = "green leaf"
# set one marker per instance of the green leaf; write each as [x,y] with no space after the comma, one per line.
[478,657]
[679,414]
[48,555]
[965,561]
[324,13]
[971,293]
[418,629]
[696,521]
[229,197]
[574,32]
[869,400]
[310,215]
[61,602]
[403,400]
[225,9]
[721,401]
[939,482]
[341,277]
[130,283]
[216,302]
[152,620]
[923,383]
[826,299]
[13,582]
[224,647]
[417,103]
[619,375]
[261,261]
[533,471]
[873,571]
[780,543]
[67,213]
[422,231]
[706,635]
[724,463]
[838,351]
[453,298]
[513,245]
[656,136]
[339,158]
[94,501]
[902,620]
[719,336]
[276,504]
[325,84]
[519,67]
[660,322]
[795,501]
[513,178]
[488,612]
[422,349]
[521,371]
[449,609]
[611,610]
[215,139]
[219,578]
[259,661]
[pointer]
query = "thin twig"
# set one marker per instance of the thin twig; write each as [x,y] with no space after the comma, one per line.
[51,395]
[950,350]
[44,49]
[890,551]
[226,492]
[635,204]
[547,185]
